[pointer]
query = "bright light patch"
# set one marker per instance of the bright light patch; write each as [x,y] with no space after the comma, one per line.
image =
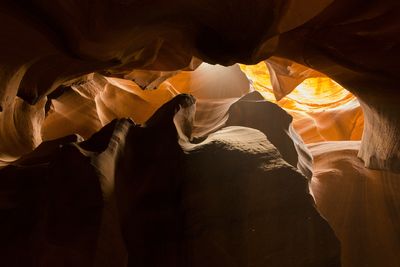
[259,77]
[312,94]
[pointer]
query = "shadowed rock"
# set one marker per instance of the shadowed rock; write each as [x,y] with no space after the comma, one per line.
[146,196]
[253,111]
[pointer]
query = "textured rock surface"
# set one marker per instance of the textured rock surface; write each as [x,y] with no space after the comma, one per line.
[253,111]
[362,205]
[380,146]
[286,75]
[119,36]
[47,44]
[20,128]
[227,201]
[51,207]
[357,44]
[85,107]
[51,43]
[226,207]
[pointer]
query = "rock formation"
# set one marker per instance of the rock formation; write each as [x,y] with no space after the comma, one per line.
[356,44]
[135,194]
[362,205]
[50,43]
[253,111]
[71,70]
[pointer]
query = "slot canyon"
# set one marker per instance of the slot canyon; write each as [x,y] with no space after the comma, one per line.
[225,133]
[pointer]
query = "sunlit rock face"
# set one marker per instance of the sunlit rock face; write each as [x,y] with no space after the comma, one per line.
[322,109]
[147,196]
[356,43]
[84,108]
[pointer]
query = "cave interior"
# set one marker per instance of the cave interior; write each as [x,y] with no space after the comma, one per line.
[194,133]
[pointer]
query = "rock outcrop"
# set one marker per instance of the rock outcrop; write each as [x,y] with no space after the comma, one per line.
[144,195]
[253,111]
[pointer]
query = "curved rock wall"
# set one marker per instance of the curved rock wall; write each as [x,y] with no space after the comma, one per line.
[49,43]
[53,42]
[356,43]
